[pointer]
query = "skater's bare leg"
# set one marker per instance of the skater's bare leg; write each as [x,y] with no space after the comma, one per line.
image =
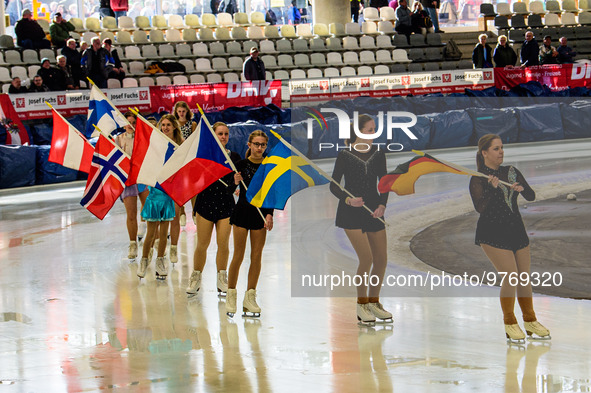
[240,235]
[222,232]
[204,231]
[131,209]
[257,242]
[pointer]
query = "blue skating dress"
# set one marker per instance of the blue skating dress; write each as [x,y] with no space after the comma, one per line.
[158,206]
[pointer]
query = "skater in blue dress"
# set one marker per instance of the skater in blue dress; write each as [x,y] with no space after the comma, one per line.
[159,210]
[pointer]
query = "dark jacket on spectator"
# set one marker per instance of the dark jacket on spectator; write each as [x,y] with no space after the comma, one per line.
[529,53]
[565,54]
[28,29]
[35,89]
[254,70]
[53,78]
[504,56]
[482,56]
[14,90]
[429,4]
[73,57]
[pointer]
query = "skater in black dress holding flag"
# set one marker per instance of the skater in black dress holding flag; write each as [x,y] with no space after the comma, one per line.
[362,166]
[501,234]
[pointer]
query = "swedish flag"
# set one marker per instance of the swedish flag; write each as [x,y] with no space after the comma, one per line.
[281,175]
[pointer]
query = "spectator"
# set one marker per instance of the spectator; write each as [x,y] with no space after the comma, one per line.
[60,30]
[270,17]
[73,57]
[94,62]
[105,9]
[113,65]
[379,3]
[504,55]
[420,19]
[62,64]
[355,10]
[548,53]
[37,86]
[14,8]
[29,34]
[403,19]
[15,86]
[214,4]
[565,52]
[529,51]
[149,9]
[136,10]
[254,68]
[481,55]
[431,7]
[53,78]
[119,7]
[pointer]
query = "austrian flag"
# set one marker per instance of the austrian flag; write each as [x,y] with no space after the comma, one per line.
[69,148]
[106,180]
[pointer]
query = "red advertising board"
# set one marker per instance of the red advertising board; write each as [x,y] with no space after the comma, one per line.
[556,76]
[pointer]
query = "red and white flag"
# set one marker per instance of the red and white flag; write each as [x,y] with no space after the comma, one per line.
[69,147]
[16,134]
[151,149]
[197,163]
[106,179]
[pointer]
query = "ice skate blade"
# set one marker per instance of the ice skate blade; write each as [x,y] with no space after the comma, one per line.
[520,341]
[221,293]
[365,323]
[384,321]
[249,314]
[533,337]
[161,278]
[191,295]
[230,314]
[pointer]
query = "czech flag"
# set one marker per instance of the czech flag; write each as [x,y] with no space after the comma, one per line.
[197,163]
[402,179]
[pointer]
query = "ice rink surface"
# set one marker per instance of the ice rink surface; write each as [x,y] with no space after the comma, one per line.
[74,317]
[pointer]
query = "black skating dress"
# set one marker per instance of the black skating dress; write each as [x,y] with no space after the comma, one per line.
[216,202]
[500,224]
[362,172]
[246,215]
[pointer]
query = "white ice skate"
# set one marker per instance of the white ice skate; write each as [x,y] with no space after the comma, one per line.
[222,282]
[141,271]
[231,302]
[378,311]
[514,334]
[194,282]
[364,315]
[132,251]
[536,331]
[250,307]
[161,271]
[173,254]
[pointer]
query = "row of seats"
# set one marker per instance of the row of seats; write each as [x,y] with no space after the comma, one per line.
[566,19]
[535,7]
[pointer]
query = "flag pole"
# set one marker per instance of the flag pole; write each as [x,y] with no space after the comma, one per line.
[137,113]
[230,162]
[460,168]
[326,175]
[110,139]
[107,99]
[68,123]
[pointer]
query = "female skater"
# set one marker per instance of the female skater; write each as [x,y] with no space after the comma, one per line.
[362,166]
[245,218]
[501,233]
[130,194]
[159,210]
[183,114]
[213,207]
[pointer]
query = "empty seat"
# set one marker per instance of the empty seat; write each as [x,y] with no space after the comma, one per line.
[272,33]
[336,29]
[91,24]
[180,80]
[150,52]
[196,78]
[270,61]
[283,46]
[215,48]
[30,56]
[78,24]
[123,38]
[518,22]
[503,9]
[350,43]
[364,70]
[130,82]
[371,14]
[434,39]
[416,54]
[304,31]
[33,70]
[142,22]
[231,77]
[219,64]
[384,41]
[331,72]
[281,75]
[203,65]
[136,67]
[132,52]
[398,68]
[367,42]
[487,9]
[318,59]
[350,58]
[267,46]
[298,74]
[176,21]
[255,33]
[19,71]
[222,34]
[167,51]
[400,56]
[386,27]
[384,56]
[568,19]
[288,31]
[241,19]
[569,6]
[317,44]
[369,28]
[300,45]
[387,14]
[214,78]
[584,18]
[208,20]
[367,57]
[400,41]
[321,30]
[13,57]
[501,22]
[192,20]
[225,19]
[381,70]
[431,66]
[140,37]
[206,34]
[285,61]
[534,21]
[585,5]
[258,18]
[301,60]
[109,23]
[519,7]
[163,81]
[234,48]
[417,40]
[352,29]
[433,54]
[415,67]
[159,22]
[173,35]
[348,71]
[113,84]
[189,65]
[189,35]
[334,59]
[553,6]
[315,73]
[125,22]
[552,20]
[536,7]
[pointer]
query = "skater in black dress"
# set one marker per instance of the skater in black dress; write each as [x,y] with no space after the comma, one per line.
[213,208]
[246,218]
[362,166]
[501,233]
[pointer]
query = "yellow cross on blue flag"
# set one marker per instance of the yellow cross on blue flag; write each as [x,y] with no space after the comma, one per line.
[281,175]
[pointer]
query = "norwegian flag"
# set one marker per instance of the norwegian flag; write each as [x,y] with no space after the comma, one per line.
[106,180]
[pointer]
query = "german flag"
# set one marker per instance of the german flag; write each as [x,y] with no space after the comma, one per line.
[402,179]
